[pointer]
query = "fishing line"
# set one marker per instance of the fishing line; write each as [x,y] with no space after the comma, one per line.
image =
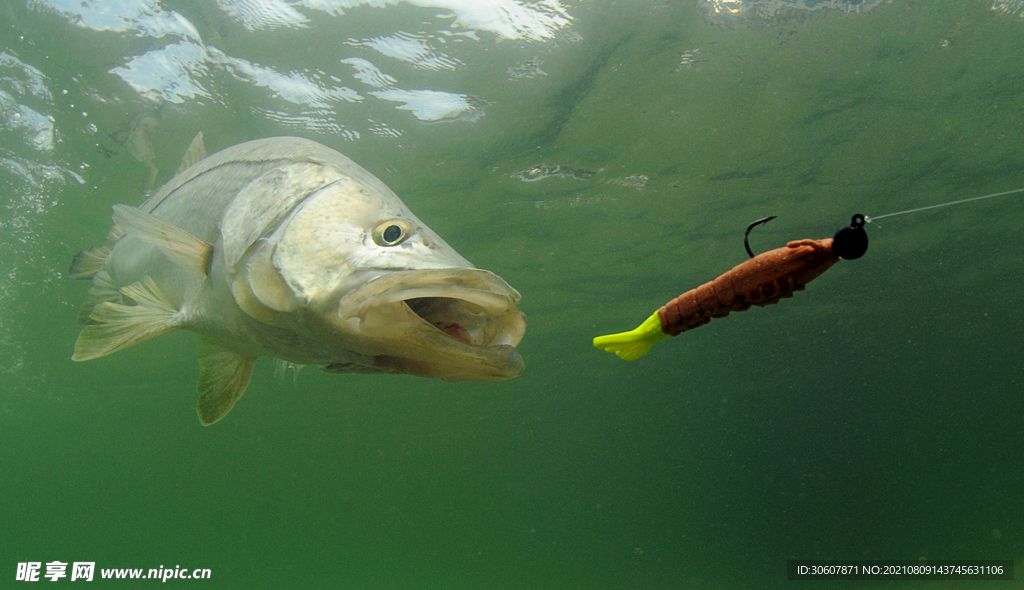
[870,219]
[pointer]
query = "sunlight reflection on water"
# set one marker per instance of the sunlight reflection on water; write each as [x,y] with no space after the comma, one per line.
[181,70]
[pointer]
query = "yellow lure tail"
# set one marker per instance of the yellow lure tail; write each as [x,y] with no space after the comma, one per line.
[635,343]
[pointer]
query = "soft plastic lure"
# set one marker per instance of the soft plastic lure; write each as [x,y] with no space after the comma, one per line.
[763,280]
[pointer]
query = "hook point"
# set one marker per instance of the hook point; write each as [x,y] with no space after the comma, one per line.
[746,236]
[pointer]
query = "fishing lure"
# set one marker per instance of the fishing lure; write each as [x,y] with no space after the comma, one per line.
[763,280]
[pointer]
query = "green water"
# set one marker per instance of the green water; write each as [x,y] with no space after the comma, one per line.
[878,415]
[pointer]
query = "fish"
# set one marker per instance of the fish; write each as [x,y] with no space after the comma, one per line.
[286,248]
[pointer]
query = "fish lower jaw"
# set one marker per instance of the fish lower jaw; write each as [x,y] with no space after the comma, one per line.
[498,363]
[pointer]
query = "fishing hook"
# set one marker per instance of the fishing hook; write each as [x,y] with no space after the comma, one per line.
[746,236]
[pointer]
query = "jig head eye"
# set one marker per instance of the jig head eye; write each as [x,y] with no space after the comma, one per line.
[851,241]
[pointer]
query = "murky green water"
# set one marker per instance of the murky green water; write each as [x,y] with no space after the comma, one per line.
[875,416]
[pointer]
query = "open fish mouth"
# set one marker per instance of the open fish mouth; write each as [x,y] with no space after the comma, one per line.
[472,306]
[476,317]
[455,324]
[460,319]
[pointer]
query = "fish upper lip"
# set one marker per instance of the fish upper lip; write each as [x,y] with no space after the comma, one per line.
[494,303]
[480,287]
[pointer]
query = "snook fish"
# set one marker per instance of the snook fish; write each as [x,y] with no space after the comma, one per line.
[283,247]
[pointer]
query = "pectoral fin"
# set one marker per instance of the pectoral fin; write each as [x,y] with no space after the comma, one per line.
[116,326]
[180,246]
[223,377]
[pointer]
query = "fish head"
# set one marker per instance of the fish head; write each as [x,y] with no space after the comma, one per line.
[363,279]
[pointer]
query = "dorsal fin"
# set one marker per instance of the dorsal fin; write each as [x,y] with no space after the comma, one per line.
[196,151]
[180,246]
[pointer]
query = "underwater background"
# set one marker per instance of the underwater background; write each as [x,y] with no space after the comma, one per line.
[602,157]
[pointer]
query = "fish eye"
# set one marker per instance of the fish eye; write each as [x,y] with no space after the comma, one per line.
[391,232]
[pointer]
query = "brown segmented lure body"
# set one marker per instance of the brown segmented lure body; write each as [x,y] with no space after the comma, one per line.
[762,280]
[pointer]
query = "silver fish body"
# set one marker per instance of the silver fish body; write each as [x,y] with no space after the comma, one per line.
[283,247]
